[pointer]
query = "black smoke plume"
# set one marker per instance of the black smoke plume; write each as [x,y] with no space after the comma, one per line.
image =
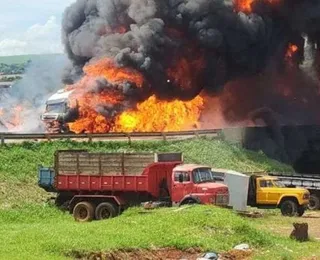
[151,36]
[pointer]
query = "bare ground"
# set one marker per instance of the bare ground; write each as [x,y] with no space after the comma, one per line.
[159,254]
[283,225]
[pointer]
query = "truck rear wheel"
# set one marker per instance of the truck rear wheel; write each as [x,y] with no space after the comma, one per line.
[289,208]
[105,210]
[83,211]
[314,202]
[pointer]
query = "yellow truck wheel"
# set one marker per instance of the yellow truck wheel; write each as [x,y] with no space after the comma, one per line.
[314,203]
[289,208]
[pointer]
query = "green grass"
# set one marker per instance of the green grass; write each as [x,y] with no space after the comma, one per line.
[43,232]
[18,59]
[19,162]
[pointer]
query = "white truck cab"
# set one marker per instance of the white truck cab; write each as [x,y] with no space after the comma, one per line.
[57,107]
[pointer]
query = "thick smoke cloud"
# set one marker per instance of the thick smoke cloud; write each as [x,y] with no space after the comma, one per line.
[245,43]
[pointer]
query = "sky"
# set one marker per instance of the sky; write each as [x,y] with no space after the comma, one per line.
[31,26]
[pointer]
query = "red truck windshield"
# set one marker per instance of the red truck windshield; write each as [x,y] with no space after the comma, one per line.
[202,175]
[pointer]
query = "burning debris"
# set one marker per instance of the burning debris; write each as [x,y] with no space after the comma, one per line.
[14,121]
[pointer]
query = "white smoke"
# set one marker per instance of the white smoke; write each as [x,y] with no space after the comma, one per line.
[41,80]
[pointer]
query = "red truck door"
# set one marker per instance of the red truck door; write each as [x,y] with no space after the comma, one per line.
[181,189]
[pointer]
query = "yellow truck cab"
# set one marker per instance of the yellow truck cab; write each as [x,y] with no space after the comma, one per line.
[267,191]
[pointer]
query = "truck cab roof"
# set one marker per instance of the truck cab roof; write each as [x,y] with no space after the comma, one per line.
[221,170]
[189,167]
[60,96]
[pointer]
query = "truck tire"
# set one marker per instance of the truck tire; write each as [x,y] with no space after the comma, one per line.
[301,211]
[289,208]
[83,211]
[105,210]
[189,202]
[314,202]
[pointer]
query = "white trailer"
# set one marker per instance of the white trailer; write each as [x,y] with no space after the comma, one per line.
[238,184]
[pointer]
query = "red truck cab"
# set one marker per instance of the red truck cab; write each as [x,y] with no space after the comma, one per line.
[193,183]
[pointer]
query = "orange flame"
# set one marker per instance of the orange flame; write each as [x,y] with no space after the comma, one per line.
[155,115]
[13,118]
[186,71]
[106,68]
[291,50]
[245,5]
[150,115]
[108,30]
[17,116]
[90,121]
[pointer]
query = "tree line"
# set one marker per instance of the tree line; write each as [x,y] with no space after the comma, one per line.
[11,69]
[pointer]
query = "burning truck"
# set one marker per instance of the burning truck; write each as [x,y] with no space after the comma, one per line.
[58,112]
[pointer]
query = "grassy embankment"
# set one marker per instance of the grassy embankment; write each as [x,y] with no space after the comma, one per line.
[31,230]
[18,163]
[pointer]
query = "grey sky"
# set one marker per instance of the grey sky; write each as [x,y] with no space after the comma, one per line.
[31,27]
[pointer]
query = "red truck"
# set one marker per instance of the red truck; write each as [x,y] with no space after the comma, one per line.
[102,185]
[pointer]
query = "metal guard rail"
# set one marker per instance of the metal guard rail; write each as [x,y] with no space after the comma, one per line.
[49,136]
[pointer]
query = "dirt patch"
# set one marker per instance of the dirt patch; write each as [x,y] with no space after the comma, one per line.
[236,254]
[313,220]
[141,254]
[251,214]
[158,254]
[277,225]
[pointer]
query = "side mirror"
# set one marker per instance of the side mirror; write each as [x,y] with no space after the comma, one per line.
[181,177]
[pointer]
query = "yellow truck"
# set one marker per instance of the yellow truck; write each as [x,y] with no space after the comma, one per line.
[269,192]
[262,191]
